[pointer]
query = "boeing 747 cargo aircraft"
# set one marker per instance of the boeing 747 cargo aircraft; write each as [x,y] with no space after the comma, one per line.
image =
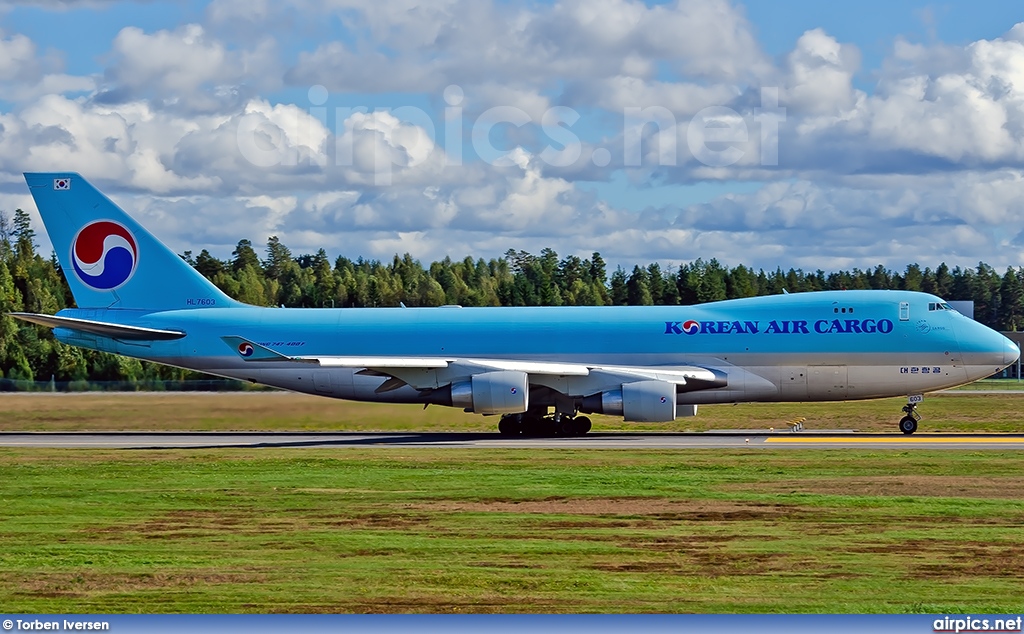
[540,369]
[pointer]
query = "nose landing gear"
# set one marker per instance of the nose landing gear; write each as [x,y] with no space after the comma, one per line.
[908,424]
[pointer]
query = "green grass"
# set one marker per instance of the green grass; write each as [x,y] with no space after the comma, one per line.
[993,384]
[277,411]
[451,530]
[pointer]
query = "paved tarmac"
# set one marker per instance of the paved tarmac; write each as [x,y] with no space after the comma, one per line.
[602,440]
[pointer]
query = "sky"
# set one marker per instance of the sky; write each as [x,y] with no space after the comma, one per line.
[799,134]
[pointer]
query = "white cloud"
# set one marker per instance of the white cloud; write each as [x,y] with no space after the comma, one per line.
[17,56]
[683,99]
[938,107]
[231,12]
[275,210]
[820,74]
[25,75]
[299,127]
[508,55]
[141,148]
[186,69]
[864,221]
[50,84]
[930,158]
[179,60]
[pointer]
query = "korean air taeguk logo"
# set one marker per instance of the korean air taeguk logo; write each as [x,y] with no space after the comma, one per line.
[104,255]
[245,349]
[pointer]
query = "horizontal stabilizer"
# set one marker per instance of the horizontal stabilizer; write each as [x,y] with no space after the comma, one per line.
[115,331]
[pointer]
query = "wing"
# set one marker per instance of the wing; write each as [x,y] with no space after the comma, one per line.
[432,372]
[251,351]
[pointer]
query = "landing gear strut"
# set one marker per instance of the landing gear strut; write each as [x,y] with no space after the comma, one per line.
[908,424]
[537,424]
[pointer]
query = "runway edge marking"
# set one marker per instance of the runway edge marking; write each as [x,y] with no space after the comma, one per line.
[917,440]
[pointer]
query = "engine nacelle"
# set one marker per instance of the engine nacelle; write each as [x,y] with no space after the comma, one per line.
[503,392]
[640,401]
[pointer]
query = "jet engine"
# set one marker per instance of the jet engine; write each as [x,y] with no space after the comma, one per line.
[502,392]
[639,401]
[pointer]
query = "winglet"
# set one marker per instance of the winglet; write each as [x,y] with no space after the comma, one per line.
[255,352]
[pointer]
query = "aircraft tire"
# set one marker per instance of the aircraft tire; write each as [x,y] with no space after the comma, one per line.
[536,426]
[582,425]
[510,426]
[568,427]
[908,425]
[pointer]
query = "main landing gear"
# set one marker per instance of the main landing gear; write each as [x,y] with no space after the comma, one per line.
[538,424]
[908,424]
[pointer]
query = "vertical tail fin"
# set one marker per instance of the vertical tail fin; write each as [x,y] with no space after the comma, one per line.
[109,260]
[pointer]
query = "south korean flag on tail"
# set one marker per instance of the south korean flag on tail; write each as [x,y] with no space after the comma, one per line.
[61,184]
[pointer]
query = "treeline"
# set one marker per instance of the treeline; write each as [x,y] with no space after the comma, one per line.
[33,283]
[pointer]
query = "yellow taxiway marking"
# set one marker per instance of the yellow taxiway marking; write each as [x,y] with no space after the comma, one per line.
[897,439]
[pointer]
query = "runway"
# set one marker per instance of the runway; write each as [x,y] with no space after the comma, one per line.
[757,439]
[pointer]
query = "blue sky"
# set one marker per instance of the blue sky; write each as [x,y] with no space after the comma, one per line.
[901,135]
[873,25]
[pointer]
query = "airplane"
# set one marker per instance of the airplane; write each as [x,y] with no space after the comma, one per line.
[541,369]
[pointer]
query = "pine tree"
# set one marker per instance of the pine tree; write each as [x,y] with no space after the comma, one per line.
[619,294]
[326,283]
[638,290]
[208,265]
[1011,292]
[24,235]
[278,257]
[243,256]
[5,237]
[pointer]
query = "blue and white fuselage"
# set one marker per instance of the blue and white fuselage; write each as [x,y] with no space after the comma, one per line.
[781,348]
[646,363]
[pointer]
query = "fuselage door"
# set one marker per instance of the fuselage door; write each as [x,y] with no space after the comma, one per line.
[904,311]
[322,381]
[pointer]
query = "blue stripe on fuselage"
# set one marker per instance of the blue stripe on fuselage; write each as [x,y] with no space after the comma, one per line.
[795,323]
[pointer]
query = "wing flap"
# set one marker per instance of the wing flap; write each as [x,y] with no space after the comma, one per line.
[377,363]
[680,375]
[530,367]
[102,328]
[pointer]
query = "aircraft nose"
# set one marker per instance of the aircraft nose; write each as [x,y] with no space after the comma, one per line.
[1010,352]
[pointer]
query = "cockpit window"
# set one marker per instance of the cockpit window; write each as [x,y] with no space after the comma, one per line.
[939,306]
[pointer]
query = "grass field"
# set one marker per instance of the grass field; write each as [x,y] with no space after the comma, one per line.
[390,529]
[993,384]
[428,530]
[245,411]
